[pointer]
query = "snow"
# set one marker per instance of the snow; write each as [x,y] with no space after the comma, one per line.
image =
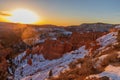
[67,33]
[104,42]
[39,70]
[100,59]
[32,40]
[18,58]
[41,41]
[107,39]
[113,72]
[54,38]
[118,26]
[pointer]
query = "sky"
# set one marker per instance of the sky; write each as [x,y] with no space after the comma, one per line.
[67,12]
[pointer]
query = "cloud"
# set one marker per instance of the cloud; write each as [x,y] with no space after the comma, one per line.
[4,13]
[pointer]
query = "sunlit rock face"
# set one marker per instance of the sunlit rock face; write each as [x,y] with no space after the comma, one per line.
[91,27]
[30,36]
[54,48]
[79,39]
[51,49]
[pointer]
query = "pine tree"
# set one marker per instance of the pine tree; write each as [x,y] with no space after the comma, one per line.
[50,73]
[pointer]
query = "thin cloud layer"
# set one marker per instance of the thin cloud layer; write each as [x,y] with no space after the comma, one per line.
[4,13]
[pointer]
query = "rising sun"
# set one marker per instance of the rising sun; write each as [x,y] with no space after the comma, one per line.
[23,16]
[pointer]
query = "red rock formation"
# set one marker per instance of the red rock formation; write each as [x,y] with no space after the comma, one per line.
[4,54]
[52,49]
[67,47]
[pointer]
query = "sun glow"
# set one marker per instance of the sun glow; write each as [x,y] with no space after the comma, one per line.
[23,16]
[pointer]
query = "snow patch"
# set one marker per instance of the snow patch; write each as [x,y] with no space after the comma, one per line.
[112,72]
[39,70]
[107,39]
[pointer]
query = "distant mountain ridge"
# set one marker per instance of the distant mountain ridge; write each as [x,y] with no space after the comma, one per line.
[102,27]
[16,29]
[92,27]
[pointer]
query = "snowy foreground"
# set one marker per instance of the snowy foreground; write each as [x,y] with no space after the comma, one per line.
[40,68]
[113,72]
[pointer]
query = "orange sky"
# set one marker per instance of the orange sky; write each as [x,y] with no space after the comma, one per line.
[68,12]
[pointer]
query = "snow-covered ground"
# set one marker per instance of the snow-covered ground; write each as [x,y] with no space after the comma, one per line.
[40,67]
[113,72]
[107,39]
[118,26]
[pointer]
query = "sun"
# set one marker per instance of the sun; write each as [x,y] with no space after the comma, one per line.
[23,16]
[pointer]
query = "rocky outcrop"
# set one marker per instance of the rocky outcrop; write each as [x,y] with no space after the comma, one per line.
[79,39]
[4,54]
[54,48]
